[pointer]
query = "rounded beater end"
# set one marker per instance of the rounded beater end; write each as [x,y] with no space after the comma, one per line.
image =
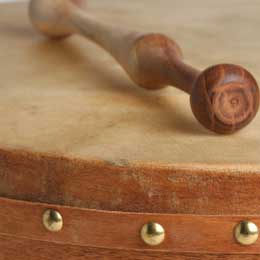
[50,17]
[225,98]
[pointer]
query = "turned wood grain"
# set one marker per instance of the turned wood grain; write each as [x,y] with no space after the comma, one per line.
[153,61]
[225,98]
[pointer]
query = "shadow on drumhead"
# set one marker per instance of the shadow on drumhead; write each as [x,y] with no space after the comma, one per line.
[107,76]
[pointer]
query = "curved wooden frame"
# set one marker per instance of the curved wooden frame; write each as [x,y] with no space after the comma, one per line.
[153,188]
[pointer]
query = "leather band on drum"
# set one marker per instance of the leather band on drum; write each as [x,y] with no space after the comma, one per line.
[121,230]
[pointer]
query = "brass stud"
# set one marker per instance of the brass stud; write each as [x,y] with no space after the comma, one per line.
[246,233]
[153,234]
[52,220]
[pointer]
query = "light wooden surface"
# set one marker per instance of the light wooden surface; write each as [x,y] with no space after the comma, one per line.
[71,98]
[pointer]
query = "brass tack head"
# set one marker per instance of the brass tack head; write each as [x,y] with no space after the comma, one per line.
[52,220]
[246,233]
[153,234]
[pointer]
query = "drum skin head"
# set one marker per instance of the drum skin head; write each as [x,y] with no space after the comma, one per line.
[69,97]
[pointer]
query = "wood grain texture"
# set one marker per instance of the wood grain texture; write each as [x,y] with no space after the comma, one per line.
[225,98]
[25,249]
[124,186]
[184,233]
[155,61]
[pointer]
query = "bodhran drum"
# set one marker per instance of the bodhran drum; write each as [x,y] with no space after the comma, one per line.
[94,167]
